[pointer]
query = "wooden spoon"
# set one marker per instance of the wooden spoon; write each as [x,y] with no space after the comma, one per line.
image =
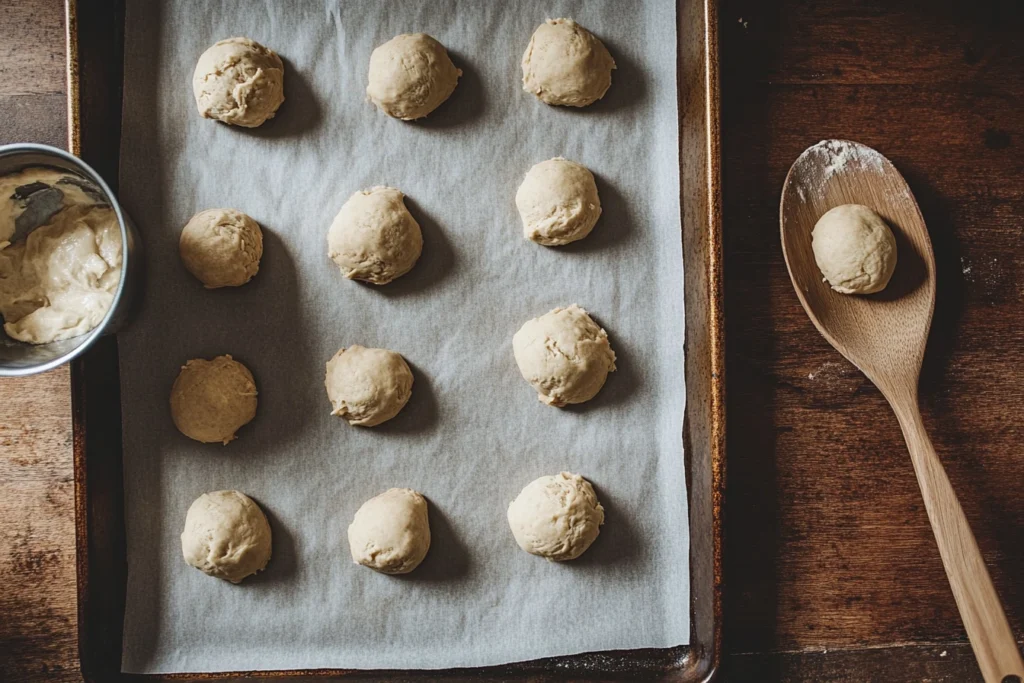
[884,335]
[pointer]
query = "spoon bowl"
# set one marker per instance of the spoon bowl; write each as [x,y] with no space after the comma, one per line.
[885,334]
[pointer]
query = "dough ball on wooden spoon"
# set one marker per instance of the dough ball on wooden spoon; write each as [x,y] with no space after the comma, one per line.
[410,76]
[367,386]
[391,533]
[221,247]
[374,238]
[239,82]
[213,399]
[226,535]
[566,64]
[564,355]
[558,202]
[556,517]
[855,249]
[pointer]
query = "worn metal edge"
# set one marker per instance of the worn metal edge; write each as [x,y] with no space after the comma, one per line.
[81,497]
[716,303]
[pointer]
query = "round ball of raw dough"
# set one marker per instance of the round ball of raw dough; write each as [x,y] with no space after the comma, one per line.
[558,202]
[226,535]
[854,249]
[556,517]
[221,247]
[238,81]
[410,76]
[374,238]
[367,386]
[565,64]
[564,355]
[390,532]
[213,399]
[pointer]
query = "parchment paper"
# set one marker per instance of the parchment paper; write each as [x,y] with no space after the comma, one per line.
[474,433]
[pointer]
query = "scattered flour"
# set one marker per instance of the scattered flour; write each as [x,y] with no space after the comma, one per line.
[965,266]
[828,370]
[833,157]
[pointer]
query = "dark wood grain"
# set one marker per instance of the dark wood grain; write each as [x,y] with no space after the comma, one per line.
[37,524]
[32,54]
[827,544]
[38,635]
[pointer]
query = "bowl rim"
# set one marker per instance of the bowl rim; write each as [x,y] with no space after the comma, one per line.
[90,174]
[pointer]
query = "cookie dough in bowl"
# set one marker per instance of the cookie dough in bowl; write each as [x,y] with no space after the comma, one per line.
[226,535]
[410,76]
[374,238]
[558,202]
[367,386]
[854,249]
[564,355]
[221,247]
[391,533]
[61,253]
[239,82]
[213,399]
[556,517]
[565,64]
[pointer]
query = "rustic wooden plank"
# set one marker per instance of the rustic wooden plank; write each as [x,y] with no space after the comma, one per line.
[38,639]
[938,663]
[827,542]
[33,118]
[37,530]
[32,47]
[876,41]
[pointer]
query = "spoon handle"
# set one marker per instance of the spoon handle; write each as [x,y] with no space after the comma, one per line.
[994,645]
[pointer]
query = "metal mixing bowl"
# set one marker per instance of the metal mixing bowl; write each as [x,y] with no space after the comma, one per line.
[18,358]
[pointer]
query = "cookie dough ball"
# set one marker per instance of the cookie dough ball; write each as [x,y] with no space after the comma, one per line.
[564,355]
[374,238]
[367,386]
[226,535]
[390,533]
[213,399]
[558,202]
[238,81]
[565,64]
[556,517]
[410,76]
[854,249]
[221,247]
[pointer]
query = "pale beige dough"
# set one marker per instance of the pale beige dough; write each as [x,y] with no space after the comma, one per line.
[564,355]
[854,249]
[566,64]
[59,281]
[391,533]
[221,247]
[374,238]
[410,76]
[556,517]
[558,202]
[213,399]
[238,81]
[226,535]
[367,386]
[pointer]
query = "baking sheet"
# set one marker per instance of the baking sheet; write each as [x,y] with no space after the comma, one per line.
[473,433]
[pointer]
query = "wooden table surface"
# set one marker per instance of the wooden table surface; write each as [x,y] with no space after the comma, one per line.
[831,571]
